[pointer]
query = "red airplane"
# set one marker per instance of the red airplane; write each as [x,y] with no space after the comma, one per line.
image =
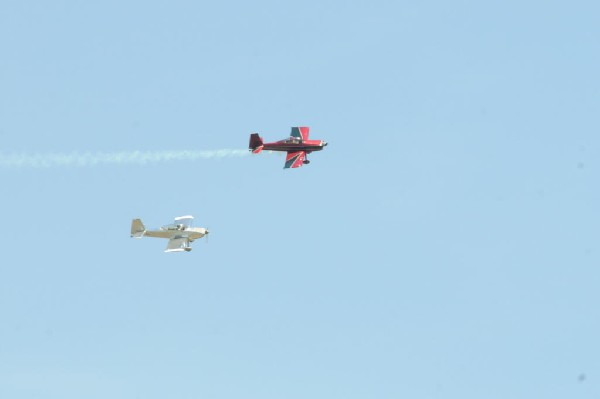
[297,146]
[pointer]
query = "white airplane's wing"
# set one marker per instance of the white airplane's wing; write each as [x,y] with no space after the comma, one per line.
[178,244]
[184,220]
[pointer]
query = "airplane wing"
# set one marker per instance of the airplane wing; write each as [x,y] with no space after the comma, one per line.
[300,132]
[184,220]
[294,159]
[178,244]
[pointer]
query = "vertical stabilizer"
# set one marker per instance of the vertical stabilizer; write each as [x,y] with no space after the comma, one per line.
[137,228]
[256,143]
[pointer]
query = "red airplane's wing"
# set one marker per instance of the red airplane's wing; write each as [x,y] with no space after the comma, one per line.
[300,132]
[294,159]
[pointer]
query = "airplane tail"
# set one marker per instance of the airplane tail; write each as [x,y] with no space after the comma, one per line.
[137,228]
[256,143]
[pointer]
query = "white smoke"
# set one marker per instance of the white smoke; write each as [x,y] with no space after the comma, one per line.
[24,160]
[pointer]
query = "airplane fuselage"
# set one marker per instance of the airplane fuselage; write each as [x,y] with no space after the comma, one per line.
[295,145]
[192,233]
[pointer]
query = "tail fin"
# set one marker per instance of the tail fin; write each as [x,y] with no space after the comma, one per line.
[137,228]
[256,143]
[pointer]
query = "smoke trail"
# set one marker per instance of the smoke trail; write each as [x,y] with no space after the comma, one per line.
[24,160]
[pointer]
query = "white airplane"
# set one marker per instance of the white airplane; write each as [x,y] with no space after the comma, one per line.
[180,233]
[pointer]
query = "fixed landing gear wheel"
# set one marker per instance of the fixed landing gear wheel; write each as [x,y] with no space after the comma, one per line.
[306,161]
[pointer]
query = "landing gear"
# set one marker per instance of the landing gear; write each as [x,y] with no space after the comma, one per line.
[306,162]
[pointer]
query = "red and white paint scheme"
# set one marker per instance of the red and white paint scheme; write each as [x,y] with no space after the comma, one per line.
[297,146]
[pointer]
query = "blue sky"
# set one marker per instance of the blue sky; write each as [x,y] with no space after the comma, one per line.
[444,245]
